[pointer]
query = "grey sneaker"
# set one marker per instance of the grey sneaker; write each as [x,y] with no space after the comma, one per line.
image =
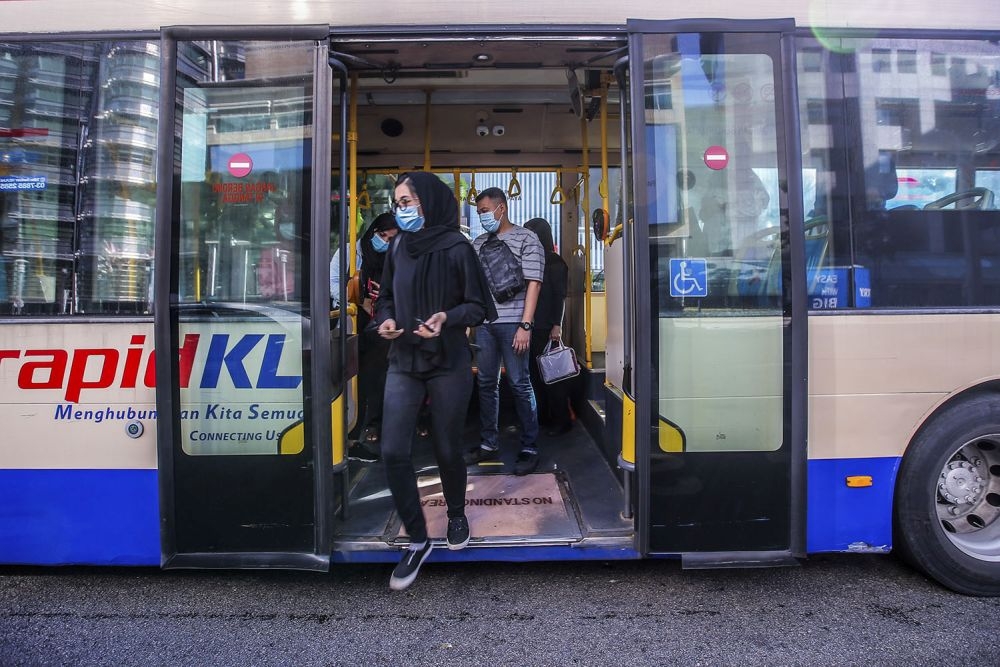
[458,533]
[406,572]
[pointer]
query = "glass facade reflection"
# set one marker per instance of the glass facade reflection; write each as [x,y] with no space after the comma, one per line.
[902,140]
[77,186]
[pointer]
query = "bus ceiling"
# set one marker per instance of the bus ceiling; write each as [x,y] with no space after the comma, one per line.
[523,67]
[505,101]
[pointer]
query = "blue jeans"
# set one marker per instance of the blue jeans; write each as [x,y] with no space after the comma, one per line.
[495,341]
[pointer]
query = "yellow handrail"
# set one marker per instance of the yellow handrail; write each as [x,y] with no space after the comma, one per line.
[558,195]
[514,187]
[427,131]
[473,192]
[457,176]
[585,205]
[347,185]
[602,189]
[364,199]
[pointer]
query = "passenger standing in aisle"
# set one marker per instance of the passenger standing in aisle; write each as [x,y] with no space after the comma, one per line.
[432,289]
[373,350]
[552,399]
[508,338]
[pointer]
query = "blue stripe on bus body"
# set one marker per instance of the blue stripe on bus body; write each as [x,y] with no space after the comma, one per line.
[841,518]
[79,517]
[111,517]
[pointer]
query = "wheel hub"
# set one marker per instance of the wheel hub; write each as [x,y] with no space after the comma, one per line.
[961,483]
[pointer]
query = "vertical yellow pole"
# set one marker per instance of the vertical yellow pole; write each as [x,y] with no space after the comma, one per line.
[347,185]
[605,204]
[585,206]
[427,131]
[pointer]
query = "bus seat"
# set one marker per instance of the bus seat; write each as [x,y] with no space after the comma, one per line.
[817,246]
[980,199]
[817,242]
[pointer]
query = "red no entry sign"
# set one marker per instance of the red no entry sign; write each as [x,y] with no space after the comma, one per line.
[240,165]
[716,157]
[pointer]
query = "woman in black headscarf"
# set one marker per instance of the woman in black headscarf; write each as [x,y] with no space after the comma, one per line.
[553,399]
[432,290]
[373,350]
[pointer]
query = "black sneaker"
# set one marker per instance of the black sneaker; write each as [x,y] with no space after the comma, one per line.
[406,572]
[526,462]
[359,452]
[474,456]
[458,533]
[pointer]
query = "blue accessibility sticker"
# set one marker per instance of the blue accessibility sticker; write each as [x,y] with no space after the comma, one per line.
[688,277]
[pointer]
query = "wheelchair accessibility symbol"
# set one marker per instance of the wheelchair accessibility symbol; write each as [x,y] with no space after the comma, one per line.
[688,277]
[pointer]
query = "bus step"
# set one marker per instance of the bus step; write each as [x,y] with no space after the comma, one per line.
[598,408]
[710,560]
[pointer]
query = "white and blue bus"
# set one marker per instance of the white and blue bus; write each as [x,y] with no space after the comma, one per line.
[781,222]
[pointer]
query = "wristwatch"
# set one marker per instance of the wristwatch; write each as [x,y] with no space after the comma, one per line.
[527,326]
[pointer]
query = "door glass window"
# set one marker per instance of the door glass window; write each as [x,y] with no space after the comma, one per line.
[242,248]
[713,200]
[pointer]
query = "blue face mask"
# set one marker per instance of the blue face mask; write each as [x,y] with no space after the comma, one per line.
[408,219]
[380,244]
[489,223]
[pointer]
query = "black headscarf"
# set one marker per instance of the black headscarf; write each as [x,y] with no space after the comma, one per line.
[544,233]
[373,261]
[440,231]
[549,307]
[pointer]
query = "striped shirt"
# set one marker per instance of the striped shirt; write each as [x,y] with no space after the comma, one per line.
[528,249]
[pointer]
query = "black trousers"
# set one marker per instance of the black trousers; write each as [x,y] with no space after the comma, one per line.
[552,399]
[449,392]
[373,364]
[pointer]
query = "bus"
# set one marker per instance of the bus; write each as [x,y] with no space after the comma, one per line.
[783,236]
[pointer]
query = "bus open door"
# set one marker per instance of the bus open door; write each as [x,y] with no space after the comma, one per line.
[720,391]
[244,361]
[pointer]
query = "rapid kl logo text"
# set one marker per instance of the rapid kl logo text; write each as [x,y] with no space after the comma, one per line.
[73,371]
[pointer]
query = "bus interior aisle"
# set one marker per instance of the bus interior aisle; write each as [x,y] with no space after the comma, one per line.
[524,117]
[573,498]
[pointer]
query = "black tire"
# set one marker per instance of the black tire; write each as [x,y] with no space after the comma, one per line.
[963,553]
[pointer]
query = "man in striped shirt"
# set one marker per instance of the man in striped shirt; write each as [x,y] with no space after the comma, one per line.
[508,337]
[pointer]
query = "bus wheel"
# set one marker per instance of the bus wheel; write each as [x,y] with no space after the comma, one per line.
[948,498]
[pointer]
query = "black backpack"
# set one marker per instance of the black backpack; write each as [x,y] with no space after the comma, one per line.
[502,269]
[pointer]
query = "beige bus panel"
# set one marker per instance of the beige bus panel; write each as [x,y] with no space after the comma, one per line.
[720,381]
[873,379]
[614,277]
[71,15]
[45,428]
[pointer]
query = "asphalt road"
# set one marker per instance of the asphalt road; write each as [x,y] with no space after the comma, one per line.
[835,610]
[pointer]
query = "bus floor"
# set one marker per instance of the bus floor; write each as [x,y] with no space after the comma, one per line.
[573,498]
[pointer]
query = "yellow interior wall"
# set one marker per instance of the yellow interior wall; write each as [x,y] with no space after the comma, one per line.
[598,321]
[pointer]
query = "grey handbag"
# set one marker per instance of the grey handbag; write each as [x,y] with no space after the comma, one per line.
[557,363]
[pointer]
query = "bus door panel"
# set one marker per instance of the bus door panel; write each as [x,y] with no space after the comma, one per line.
[243,374]
[716,156]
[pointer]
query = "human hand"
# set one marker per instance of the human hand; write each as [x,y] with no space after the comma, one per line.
[388,329]
[522,340]
[556,333]
[432,326]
